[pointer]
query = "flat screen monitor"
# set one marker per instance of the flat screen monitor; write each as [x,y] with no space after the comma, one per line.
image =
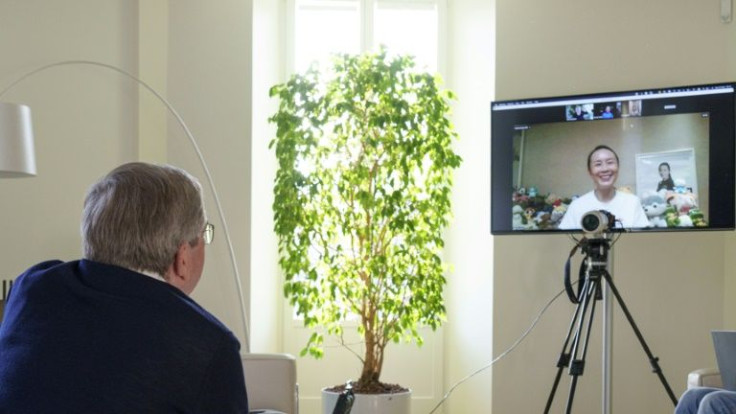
[642,160]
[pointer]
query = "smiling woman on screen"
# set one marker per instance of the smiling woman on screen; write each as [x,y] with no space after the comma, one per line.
[603,167]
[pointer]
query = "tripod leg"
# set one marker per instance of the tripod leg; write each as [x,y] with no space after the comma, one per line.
[564,359]
[571,395]
[654,361]
[561,363]
[585,321]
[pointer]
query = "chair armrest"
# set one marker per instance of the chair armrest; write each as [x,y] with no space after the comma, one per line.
[270,380]
[705,377]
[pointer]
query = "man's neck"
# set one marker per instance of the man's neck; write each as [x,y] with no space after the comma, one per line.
[152,274]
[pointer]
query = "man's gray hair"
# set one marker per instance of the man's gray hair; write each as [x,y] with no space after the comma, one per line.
[139,214]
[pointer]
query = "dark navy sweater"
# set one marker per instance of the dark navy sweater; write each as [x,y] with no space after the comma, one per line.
[85,337]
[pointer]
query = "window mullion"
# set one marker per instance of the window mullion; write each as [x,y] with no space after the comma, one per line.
[368,6]
[442,37]
[289,35]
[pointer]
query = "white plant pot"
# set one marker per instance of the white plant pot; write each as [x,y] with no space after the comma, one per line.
[398,403]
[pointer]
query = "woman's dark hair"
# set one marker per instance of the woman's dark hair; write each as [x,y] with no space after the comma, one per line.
[600,147]
[666,183]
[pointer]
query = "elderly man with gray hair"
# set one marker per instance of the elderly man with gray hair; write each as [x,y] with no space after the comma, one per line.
[117,332]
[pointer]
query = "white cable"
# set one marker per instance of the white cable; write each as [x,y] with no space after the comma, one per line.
[171,109]
[504,353]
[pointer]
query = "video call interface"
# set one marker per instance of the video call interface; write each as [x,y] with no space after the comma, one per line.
[674,149]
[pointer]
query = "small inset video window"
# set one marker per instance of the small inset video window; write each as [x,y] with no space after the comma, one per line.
[631,108]
[608,110]
[580,112]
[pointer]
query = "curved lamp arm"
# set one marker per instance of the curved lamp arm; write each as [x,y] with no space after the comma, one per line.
[196,149]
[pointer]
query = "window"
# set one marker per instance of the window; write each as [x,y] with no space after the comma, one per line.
[324,27]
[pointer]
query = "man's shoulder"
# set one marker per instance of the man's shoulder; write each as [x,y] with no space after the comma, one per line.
[123,290]
[208,322]
[36,273]
[46,266]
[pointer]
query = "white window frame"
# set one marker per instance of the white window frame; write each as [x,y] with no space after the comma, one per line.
[366,8]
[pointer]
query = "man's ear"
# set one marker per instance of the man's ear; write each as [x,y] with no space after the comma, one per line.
[178,273]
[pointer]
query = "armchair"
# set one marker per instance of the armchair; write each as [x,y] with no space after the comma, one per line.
[271,383]
[704,377]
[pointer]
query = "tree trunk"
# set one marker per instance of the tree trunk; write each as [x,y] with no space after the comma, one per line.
[371,362]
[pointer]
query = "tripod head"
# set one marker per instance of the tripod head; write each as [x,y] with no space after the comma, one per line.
[596,253]
[594,264]
[598,226]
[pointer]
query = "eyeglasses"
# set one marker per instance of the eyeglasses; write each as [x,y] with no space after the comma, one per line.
[208,233]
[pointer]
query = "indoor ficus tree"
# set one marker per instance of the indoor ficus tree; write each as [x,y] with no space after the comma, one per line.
[361,199]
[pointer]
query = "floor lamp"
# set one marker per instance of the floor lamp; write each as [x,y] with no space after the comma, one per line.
[17,156]
[17,159]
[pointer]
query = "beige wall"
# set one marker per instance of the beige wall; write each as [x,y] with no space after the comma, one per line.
[469,247]
[672,283]
[268,34]
[86,119]
[209,81]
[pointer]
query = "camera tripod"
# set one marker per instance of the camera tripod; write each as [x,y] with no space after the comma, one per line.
[575,346]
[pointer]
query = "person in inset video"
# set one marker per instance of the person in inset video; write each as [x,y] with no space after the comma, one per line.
[603,166]
[607,114]
[579,113]
[667,182]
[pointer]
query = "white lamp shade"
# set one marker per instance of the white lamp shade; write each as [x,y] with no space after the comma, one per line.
[17,158]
